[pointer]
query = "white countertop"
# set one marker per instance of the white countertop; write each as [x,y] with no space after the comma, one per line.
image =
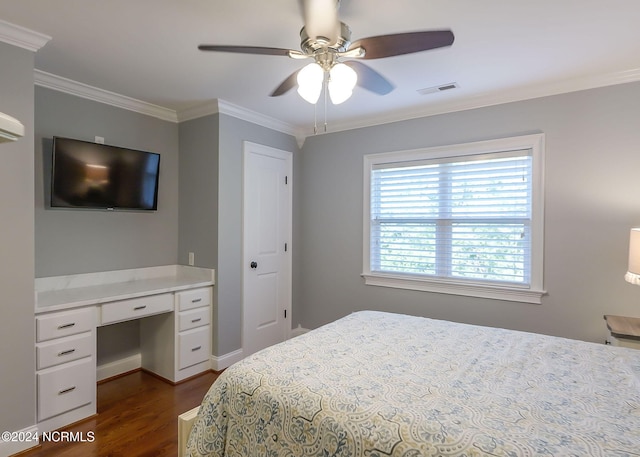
[67,292]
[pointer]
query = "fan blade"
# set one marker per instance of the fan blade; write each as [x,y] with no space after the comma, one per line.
[286,85]
[397,44]
[370,79]
[247,50]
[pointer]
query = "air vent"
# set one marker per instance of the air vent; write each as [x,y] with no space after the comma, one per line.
[440,88]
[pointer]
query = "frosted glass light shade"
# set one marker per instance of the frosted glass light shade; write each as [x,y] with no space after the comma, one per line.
[633,273]
[310,80]
[342,80]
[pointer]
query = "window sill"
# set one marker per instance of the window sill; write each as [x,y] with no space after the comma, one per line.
[442,286]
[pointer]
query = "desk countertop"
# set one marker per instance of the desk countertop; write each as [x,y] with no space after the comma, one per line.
[101,288]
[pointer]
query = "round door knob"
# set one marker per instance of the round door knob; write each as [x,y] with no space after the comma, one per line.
[253,264]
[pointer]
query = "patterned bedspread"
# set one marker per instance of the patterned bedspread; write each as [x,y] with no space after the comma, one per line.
[376,384]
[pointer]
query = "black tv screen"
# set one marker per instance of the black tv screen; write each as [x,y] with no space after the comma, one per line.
[92,175]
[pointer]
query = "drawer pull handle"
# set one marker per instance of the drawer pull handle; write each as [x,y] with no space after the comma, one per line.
[70,351]
[66,391]
[138,308]
[196,300]
[197,348]
[69,325]
[193,321]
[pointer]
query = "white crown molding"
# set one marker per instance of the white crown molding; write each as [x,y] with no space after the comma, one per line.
[69,86]
[224,107]
[491,99]
[197,111]
[59,83]
[260,119]
[76,88]
[22,37]
[256,118]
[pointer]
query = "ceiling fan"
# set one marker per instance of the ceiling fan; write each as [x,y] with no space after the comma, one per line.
[327,41]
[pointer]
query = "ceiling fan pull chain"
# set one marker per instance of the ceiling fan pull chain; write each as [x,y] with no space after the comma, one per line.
[325,100]
[315,119]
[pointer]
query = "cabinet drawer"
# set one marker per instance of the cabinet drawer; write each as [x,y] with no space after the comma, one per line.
[64,350]
[194,318]
[136,308]
[194,346]
[65,388]
[63,324]
[190,299]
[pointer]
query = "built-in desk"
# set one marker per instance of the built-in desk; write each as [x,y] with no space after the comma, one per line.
[173,304]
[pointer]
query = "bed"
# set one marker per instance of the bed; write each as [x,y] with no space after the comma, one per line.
[378,384]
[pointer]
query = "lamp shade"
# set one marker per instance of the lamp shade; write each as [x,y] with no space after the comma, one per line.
[310,80]
[341,83]
[633,273]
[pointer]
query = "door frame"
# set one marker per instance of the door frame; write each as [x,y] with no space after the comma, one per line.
[247,148]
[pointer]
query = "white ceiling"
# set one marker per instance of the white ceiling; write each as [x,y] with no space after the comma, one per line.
[504,50]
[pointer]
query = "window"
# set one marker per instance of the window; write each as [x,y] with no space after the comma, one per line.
[464,219]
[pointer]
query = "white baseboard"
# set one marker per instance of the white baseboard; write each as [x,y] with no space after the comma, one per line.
[8,448]
[298,331]
[108,370]
[226,360]
[219,363]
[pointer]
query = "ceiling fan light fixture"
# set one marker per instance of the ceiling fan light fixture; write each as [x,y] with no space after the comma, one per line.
[342,80]
[310,79]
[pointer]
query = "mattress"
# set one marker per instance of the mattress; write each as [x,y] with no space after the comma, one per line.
[378,384]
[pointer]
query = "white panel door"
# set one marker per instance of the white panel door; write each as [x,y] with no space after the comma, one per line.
[267,246]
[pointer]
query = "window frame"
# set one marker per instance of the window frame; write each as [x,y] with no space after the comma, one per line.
[531,293]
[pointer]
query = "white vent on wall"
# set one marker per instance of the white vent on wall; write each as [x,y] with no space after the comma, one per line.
[439,88]
[10,128]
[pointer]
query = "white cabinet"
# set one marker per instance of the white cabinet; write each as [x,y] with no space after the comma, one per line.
[191,299]
[193,347]
[173,305]
[194,332]
[136,308]
[177,346]
[62,350]
[64,323]
[194,318]
[65,388]
[65,367]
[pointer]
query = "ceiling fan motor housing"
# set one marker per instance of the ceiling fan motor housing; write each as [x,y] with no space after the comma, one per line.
[327,40]
[312,45]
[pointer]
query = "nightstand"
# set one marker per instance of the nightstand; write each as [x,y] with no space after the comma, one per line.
[623,331]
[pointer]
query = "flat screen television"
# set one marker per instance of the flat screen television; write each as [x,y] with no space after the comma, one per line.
[98,176]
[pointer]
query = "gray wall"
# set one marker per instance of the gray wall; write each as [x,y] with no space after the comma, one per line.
[17,331]
[199,208]
[592,188]
[198,214]
[198,211]
[591,185]
[233,132]
[84,241]
[211,210]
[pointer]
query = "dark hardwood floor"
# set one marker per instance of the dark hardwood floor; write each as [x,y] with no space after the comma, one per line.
[137,416]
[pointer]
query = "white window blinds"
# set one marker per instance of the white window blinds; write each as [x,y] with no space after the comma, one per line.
[466,218]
